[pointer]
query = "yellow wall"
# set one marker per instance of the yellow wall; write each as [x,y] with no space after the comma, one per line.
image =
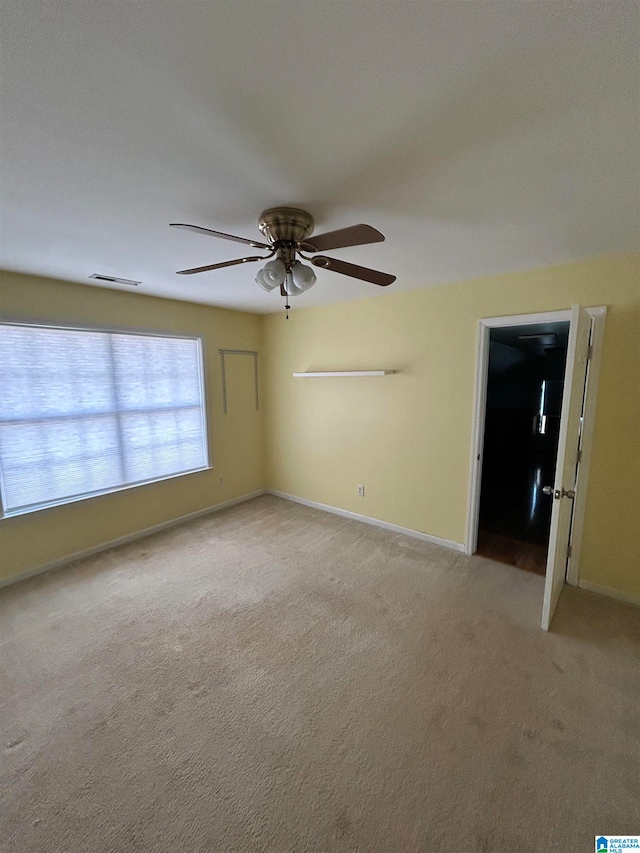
[407,437]
[236,439]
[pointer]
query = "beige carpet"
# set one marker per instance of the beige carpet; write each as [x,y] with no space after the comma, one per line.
[273,678]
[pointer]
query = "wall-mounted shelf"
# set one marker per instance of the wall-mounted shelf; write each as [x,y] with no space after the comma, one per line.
[324,373]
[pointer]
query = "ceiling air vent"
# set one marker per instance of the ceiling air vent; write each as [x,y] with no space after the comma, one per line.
[114,280]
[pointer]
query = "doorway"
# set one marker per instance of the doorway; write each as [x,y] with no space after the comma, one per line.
[568,488]
[525,382]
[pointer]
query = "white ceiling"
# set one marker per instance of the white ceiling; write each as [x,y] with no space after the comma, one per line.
[479,137]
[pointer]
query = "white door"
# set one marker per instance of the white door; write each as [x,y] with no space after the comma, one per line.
[566,465]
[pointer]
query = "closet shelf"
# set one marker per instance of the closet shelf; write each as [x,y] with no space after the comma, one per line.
[323,373]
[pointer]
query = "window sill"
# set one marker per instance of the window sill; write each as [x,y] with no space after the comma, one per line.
[29,510]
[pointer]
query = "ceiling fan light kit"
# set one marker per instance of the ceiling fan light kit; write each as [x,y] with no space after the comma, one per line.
[288,231]
[295,280]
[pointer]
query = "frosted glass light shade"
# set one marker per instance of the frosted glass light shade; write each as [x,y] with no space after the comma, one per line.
[303,277]
[290,286]
[272,275]
[265,285]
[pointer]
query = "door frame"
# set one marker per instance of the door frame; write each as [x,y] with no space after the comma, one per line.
[598,316]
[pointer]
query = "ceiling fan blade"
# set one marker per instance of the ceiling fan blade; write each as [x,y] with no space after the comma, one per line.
[220,266]
[199,230]
[355,271]
[355,235]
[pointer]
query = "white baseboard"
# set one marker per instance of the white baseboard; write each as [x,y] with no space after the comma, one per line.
[124,540]
[354,516]
[376,522]
[609,592]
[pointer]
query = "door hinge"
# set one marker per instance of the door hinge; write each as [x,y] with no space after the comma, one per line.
[589,352]
[578,457]
[568,550]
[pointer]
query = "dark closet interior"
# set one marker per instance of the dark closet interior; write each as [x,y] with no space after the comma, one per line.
[524,399]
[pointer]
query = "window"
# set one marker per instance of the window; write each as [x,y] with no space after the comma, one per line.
[87,412]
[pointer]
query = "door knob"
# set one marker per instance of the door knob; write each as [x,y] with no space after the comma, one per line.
[559,493]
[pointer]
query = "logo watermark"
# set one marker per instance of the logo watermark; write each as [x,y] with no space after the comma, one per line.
[616,843]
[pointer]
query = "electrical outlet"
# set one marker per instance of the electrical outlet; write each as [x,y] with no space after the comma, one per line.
[361,491]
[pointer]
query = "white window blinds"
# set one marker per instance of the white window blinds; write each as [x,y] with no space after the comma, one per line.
[86,412]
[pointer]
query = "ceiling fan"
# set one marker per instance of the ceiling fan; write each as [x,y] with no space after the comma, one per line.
[288,231]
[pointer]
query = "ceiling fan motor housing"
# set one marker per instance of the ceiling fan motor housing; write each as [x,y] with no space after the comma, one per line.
[285,224]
